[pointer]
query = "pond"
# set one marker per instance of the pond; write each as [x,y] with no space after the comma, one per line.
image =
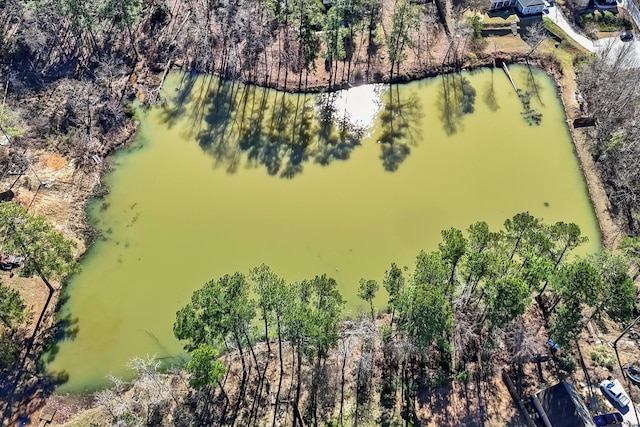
[224,177]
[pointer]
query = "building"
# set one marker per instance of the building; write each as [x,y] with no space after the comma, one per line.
[530,7]
[525,7]
[501,4]
[562,406]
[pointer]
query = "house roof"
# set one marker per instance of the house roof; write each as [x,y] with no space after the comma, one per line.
[529,3]
[564,406]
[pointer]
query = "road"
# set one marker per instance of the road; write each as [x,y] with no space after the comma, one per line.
[610,46]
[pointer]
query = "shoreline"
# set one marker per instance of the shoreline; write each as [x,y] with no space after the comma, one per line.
[565,85]
[610,230]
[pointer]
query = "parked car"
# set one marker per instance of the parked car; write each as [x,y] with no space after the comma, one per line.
[9,262]
[608,419]
[615,392]
[626,36]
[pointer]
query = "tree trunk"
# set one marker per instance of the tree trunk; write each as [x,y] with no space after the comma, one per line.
[224,393]
[546,282]
[344,364]
[515,246]
[133,41]
[314,392]
[555,267]
[253,354]
[555,304]
[297,417]
[266,333]
[393,314]
[239,344]
[275,409]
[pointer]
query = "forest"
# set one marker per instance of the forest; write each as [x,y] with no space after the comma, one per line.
[69,70]
[616,142]
[267,352]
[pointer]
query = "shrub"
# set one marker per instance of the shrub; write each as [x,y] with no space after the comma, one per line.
[567,363]
[604,21]
[603,356]
[476,24]
[385,333]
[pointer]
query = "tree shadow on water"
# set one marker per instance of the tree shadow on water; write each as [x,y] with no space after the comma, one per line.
[25,385]
[236,123]
[489,96]
[337,135]
[174,105]
[217,137]
[533,85]
[532,92]
[457,98]
[298,150]
[399,119]
[251,137]
[279,134]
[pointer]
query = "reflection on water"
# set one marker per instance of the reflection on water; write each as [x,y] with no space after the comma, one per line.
[399,123]
[457,98]
[236,123]
[531,84]
[442,152]
[358,106]
[489,96]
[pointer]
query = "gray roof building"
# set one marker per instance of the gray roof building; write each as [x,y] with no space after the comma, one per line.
[562,406]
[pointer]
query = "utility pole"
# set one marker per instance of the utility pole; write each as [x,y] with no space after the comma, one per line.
[614,344]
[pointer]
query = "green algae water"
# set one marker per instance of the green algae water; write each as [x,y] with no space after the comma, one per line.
[225,176]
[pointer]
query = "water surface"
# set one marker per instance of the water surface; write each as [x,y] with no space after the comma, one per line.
[225,177]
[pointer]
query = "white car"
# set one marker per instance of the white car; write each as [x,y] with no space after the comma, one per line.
[615,392]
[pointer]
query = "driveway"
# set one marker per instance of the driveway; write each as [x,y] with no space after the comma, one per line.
[632,9]
[628,412]
[558,18]
[612,47]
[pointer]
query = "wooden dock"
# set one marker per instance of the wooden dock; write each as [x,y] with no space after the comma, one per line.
[506,70]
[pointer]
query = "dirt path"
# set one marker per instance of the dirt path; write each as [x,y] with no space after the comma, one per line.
[610,230]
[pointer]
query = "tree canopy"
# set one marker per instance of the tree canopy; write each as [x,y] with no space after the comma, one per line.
[463,303]
[220,309]
[367,291]
[204,367]
[12,308]
[46,251]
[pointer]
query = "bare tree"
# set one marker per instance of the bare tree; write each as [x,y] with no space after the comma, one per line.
[535,34]
[146,401]
[615,70]
[521,342]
